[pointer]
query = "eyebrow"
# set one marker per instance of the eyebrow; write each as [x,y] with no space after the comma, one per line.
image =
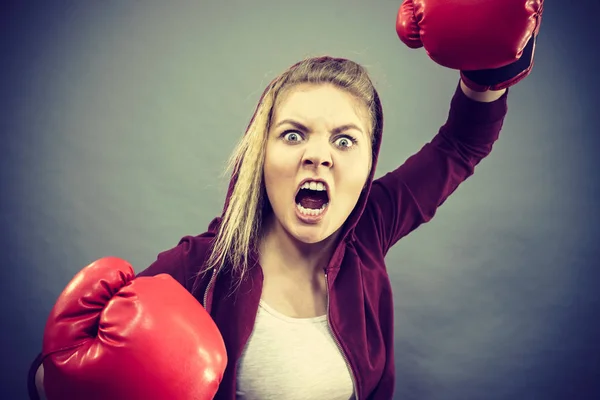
[335,131]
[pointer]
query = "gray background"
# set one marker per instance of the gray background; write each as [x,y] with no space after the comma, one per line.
[116,119]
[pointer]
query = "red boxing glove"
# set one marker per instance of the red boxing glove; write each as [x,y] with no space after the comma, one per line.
[110,336]
[491,42]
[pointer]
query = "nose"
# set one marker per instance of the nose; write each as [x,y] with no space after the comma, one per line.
[317,154]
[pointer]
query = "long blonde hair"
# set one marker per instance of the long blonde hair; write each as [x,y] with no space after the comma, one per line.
[240,226]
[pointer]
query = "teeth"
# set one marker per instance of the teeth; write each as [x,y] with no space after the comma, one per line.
[311,212]
[313,186]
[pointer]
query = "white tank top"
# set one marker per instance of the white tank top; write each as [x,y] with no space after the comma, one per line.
[293,359]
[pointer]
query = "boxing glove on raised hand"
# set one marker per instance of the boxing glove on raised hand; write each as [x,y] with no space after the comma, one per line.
[491,42]
[113,336]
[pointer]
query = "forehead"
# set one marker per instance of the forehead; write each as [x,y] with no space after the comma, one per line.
[314,102]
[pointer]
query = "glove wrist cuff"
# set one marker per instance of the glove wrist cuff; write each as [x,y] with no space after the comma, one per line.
[503,77]
[483,87]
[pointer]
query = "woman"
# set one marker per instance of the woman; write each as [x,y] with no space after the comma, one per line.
[296,279]
[293,272]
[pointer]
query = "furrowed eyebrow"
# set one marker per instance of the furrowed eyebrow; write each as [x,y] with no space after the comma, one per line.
[295,124]
[335,131]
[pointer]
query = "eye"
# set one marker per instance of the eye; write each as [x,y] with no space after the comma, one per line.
[292,136]
[345,141]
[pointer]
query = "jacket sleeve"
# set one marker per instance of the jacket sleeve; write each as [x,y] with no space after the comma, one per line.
[409,196]
[171,262]
[183,262]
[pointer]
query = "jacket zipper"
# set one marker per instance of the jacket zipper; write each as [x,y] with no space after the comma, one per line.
[208,287]
[337,342]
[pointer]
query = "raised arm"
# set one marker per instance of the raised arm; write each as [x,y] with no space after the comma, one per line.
[491,54]
[410,195]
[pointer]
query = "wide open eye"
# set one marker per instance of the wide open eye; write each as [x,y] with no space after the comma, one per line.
[345,141]
[292,136]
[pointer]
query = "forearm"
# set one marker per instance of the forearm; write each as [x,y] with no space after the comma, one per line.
[39,382]
[484,97]
[410,195]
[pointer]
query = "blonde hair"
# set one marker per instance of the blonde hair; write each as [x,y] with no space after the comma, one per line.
[240,226]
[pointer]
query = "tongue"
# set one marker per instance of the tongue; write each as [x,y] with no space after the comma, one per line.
[311,199]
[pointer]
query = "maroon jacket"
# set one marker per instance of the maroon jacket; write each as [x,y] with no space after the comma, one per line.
[360,295]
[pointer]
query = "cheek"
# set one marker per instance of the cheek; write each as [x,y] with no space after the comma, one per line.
[278,172]
[352,177]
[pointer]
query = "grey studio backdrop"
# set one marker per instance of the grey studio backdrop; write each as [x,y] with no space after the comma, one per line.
[116,119]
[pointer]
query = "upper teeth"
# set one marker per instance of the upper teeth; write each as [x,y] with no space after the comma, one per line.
[313,186]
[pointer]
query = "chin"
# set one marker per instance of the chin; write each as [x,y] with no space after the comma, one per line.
[308,237]
[308,234]
[304,234]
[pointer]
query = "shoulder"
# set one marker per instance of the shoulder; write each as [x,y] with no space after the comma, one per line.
[183,261]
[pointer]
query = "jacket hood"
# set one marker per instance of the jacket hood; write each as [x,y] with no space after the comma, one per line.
[355,215]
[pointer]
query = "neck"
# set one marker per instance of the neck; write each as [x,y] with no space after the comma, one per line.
[280,250]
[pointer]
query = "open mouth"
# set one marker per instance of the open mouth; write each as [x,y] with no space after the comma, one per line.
[312,198]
